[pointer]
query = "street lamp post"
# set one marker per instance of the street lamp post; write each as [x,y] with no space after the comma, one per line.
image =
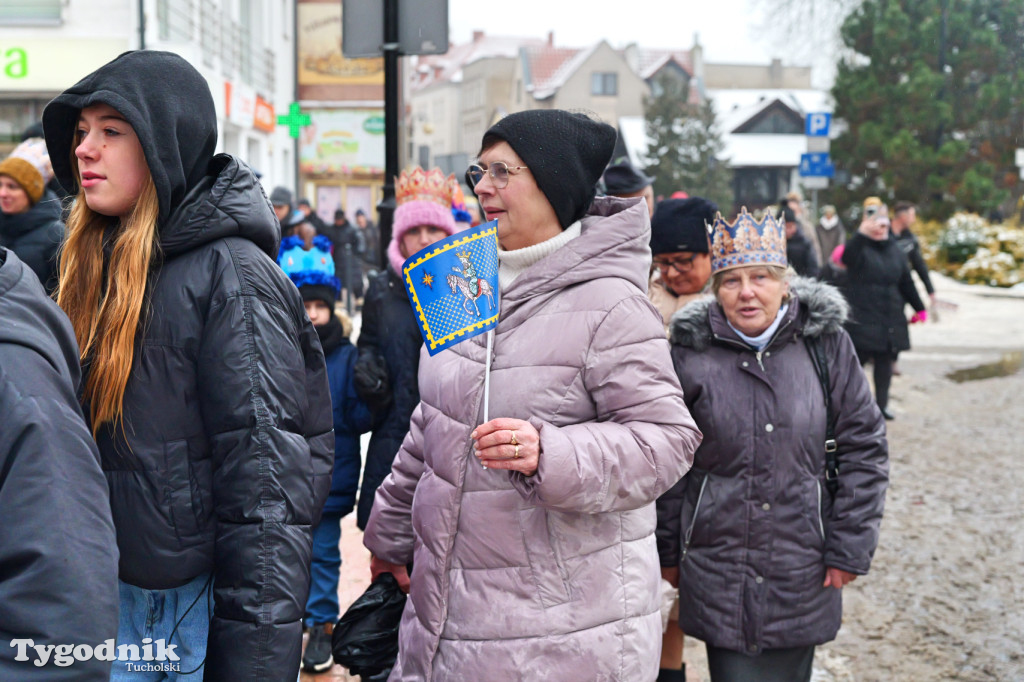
[386,207]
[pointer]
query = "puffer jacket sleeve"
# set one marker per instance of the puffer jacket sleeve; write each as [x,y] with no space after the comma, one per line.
[389,533]
[58,554]
[863,456]
[266,408]
[643,439]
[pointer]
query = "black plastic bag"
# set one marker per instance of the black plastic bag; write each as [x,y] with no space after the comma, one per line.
[366,638]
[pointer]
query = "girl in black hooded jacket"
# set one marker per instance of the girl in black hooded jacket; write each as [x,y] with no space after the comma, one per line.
[205,384]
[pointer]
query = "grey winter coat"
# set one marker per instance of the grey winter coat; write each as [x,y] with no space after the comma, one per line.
[553,576]
[58,553]
[752,526]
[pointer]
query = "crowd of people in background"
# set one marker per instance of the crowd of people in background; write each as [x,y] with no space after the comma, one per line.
[663,464]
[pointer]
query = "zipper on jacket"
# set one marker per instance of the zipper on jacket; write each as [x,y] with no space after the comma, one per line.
[758,356]
[693,521]
[821,525]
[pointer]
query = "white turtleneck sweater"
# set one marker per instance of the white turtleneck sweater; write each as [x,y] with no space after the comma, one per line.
[512,263]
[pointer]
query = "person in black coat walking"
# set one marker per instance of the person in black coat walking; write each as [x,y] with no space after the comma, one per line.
[878,285]
[390,339]
[30,215]
[799,249]
[903,218]
[58,556]
[310,216]
[348,251]
[205,385]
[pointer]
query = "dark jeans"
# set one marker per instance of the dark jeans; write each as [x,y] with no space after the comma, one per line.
[771,665]
[882,363]
[322,606]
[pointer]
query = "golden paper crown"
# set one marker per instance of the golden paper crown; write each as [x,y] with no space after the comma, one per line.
[423,186]
[747,242]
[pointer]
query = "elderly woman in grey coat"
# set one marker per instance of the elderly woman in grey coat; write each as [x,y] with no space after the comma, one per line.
[532,535]
[762,540]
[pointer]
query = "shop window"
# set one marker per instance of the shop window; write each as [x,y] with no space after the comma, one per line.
[30,12]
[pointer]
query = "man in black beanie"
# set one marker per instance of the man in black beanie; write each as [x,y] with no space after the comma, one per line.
[680,246]
[565,151]
[622,179]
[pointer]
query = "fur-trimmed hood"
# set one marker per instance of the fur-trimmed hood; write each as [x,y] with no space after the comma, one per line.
[823,310]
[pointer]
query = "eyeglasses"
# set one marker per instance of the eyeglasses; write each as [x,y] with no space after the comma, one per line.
[682,265]
[499,172]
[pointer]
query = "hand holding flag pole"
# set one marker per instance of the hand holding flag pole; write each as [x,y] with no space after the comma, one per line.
[453,287]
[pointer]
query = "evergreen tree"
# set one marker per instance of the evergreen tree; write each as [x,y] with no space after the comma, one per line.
[685,148]
[933,95]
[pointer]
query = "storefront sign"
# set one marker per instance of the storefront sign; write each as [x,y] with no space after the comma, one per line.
[29,64]
[241,104]
[264,118]
[343,142]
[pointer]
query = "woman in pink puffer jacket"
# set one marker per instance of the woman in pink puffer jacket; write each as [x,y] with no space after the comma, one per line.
[532,535]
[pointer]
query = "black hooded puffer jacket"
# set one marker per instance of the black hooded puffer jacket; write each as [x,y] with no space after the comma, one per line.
[752,526]
[225,455]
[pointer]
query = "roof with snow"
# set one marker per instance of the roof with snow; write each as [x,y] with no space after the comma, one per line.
[447,68]
[547,68]
[733,109]
[649,61]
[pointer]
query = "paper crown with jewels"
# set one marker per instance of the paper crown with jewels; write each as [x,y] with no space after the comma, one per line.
[420,185]
[746,241]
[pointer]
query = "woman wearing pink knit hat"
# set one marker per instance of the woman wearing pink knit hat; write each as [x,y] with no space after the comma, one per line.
[389,339]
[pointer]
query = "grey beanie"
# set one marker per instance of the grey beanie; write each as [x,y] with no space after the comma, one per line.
[281,196]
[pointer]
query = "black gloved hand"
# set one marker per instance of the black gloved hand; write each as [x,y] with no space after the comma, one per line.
[371,381]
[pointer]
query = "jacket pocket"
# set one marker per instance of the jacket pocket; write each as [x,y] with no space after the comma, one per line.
[688,533]
[544,562]
[821,503]
[179,492]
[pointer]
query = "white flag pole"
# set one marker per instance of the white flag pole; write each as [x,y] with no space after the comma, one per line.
[487,377]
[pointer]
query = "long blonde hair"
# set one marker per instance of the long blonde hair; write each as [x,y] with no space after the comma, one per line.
[105,312]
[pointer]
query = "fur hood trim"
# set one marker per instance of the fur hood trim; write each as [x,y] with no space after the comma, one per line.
[823,311]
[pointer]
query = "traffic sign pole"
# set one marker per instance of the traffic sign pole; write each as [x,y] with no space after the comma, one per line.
[816,165]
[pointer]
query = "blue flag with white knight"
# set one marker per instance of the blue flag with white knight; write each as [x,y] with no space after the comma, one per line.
[453,286]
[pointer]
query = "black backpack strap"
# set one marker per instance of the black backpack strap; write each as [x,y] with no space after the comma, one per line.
[820,362]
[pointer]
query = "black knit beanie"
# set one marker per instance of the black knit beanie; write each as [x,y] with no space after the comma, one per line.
[319,292]
[682,225]
[566,153]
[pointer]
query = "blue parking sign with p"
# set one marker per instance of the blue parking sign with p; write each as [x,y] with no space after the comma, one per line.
[817,124]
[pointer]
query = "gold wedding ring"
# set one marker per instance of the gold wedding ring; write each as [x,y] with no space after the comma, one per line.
[513,441]
[516,454]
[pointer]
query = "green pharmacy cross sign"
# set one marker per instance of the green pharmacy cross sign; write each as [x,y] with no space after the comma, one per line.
[294,120]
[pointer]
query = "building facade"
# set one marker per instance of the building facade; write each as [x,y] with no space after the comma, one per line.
[244,49]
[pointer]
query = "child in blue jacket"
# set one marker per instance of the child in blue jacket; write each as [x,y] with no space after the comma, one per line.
[312,272]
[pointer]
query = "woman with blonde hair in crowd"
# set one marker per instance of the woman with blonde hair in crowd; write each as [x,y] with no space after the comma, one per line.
[204,382]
